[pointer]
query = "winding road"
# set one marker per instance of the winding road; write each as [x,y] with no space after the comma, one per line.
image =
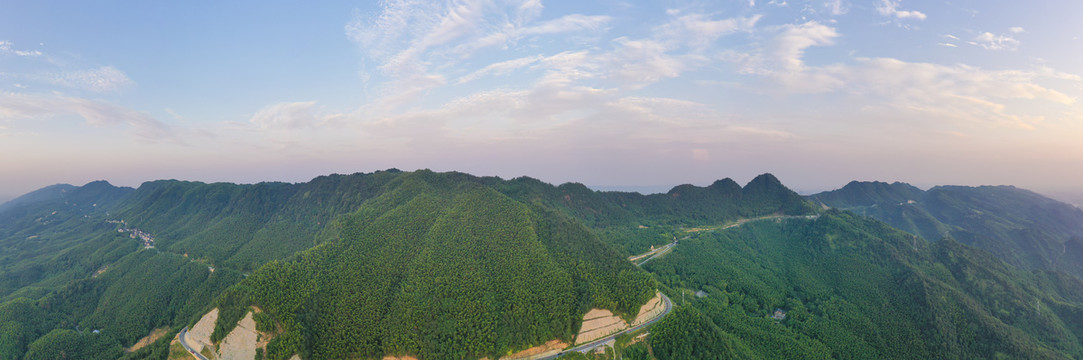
[593,344]
[669,304]
[180,338]
[661,251]
[651,255]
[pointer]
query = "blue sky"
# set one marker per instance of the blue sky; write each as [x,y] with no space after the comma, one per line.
[610,93]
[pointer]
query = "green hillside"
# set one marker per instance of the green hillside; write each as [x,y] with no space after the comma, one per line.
[244,226]
[437,267]
[72,255]
[56,235]
[64,256]
[1023,228]
[635,221]
[852,288]
[453,266]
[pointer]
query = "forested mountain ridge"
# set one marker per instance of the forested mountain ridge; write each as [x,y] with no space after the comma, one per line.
[1023,228]
[635,221]
[850,287]
[94,196]
[440,267]
[723,200]
[52,192]
[244,226]
[73,255]
[450,265]
[48,238]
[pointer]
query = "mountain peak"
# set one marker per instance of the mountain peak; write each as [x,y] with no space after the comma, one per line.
[51,192]
[726,185]
[98,184]
[867,193]
[765,183]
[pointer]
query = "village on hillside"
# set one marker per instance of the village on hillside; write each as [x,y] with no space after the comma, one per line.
[146,238]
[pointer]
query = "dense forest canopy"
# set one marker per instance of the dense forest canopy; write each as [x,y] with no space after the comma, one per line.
[449,265]
[435,267]
[1019,226]
[852,287]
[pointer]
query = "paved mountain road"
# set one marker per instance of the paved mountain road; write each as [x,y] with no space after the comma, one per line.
[180,338]
[593,344]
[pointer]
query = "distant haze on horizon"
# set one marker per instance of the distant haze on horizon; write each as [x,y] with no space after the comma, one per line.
[612,94]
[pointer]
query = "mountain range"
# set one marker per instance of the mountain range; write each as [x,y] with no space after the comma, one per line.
[1021,227]
[453,266]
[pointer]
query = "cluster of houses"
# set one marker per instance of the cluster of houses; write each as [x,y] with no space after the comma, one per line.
[148,239]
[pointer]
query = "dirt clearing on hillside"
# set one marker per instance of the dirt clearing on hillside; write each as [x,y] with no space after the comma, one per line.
[147,340]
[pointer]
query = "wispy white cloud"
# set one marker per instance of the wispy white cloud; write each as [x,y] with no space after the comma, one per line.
[789,47]
[989,41]
[566,94]
[287,116]
[683,43]
[952,41]
[17,106]
[418,45]
[102,79]
[441,43]
[1016,30]
[638,63]
[836,7]
[507,34]
[781,58]
[407,31]
[891,8]
[699,30]
[8,48]
[957,92]
[568,23]
[500,68]
[590,88]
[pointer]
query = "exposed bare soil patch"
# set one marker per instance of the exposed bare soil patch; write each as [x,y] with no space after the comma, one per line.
[199,336]
[599,323]
[241,342]
[147,340]
[550,346]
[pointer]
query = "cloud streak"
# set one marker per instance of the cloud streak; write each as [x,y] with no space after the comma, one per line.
[570,94]
[989,41]
[8,48]
[16,106]
[890,8]
[100,80]
[955,92]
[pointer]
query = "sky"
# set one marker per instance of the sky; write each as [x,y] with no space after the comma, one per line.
[639,95]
